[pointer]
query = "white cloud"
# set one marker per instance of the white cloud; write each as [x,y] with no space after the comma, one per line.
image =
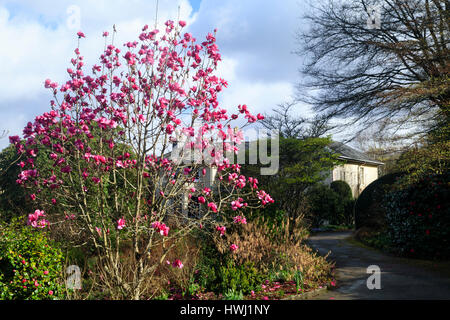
[32,50]
[260,34]
[256,38]
[37,43]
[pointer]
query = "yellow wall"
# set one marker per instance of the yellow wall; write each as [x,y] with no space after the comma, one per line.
[356,175]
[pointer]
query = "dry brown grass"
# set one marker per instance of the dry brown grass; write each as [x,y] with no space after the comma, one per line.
[165,275]
[277,249]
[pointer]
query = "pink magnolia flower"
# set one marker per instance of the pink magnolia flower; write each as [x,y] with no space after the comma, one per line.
[212,206]
[170,129]
[221,229]
[161,228]
[240,219]
[182,23]
[43,223]
[96,180]
[121,224]
[33,219]
[264,197]
[177,264]
[50,84]
[202,200]
[236,205]
[80,34]
[14,139]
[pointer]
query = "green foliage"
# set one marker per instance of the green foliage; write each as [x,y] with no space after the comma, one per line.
[327,204]
[13,201]
[324,205]
[431,157]
[378,239]
[232,294]
[369,210]
[30,264]
[349,212]
[162,296]
[192,288]
[344,192]
[280,275]
[418,218]
[298,278]
[303,163]
[218,273]
[343,189]
[245,278]
[208,266]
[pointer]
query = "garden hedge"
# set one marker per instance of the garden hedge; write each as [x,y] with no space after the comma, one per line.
[369,210]
[418,218]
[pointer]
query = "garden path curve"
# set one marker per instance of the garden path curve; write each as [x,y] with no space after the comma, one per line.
[400,278]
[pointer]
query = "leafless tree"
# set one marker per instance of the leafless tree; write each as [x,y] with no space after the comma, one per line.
[398,69]
[4,134]
[291,126]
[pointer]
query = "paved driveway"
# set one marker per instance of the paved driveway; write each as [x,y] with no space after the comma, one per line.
[400,278]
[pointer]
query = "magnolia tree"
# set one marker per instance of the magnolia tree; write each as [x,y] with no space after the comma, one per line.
[109,137]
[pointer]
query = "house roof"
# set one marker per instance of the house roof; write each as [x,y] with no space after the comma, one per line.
[349,154]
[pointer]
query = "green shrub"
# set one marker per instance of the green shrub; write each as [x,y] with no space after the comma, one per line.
[342,189]
[218,273]
[30,264]
[346,200]
[375,239]
[245,278]
[13,200]
[369,210]
[325,205]
[418,218]
[349,212]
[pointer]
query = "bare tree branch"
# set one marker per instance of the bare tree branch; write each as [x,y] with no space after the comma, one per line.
[399,71]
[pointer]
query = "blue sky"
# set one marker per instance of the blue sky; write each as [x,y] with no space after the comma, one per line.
[256,39]
[195,4]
